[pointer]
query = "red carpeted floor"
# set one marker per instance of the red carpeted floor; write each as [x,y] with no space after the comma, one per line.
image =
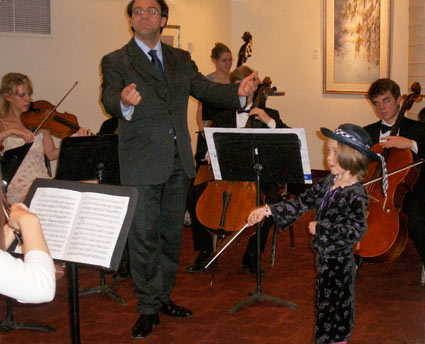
[390,307]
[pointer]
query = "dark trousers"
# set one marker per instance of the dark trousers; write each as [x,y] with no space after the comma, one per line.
[414,208]
[155,239]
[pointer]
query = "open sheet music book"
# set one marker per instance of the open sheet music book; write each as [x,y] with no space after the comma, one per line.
[83,223]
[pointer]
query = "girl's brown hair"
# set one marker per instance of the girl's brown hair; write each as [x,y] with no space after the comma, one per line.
[218,50]
[352,160]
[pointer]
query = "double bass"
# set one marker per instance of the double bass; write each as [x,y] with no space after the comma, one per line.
[387,233]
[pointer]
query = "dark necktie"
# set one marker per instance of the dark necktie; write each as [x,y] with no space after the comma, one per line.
[156,62]
[385,128]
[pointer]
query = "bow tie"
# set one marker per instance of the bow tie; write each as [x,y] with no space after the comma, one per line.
[385,128]
[247,110]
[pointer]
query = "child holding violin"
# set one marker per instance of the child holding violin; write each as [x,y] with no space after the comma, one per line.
[15,99]
[31,280]
[340,202]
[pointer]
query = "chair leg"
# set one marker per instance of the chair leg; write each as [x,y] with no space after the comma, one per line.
[423,275]
[274,242]
[214,237]
[291,237]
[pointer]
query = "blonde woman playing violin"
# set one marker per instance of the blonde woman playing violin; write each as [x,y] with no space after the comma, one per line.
[15,99]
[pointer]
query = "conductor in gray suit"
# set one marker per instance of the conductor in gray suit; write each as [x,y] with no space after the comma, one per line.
[147,84]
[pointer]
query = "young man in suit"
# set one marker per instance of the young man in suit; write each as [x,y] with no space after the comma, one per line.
[146,85]
[261,118]
[385,97]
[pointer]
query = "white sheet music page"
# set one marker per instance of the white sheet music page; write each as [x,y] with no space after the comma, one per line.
[81,227]
[300,132]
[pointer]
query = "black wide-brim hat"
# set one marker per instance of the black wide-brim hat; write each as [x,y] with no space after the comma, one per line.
[354,136]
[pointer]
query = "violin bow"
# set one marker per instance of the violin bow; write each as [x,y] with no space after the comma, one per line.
[395,172]
[54,108]
[226,243]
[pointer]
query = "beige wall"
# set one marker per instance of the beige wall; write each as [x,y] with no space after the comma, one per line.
[284,36]
[84,31]
[285,33]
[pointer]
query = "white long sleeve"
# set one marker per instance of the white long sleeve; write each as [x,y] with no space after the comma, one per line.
[29,281]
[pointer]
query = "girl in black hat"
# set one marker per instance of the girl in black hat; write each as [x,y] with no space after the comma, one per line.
[340,201]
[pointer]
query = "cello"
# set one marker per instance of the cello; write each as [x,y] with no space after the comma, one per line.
[387,233]
[224,206]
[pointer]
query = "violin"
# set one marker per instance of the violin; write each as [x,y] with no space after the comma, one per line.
[59,124]
[6,211]
[43,115]
[387,232]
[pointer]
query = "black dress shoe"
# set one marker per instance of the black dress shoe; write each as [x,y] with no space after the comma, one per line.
[172,310]
[121,275]
[249,262]
[143,326]
[200,262]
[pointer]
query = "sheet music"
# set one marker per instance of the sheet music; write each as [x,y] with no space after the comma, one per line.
[80,226]
[300,132]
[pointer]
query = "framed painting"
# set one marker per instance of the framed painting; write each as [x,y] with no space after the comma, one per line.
[171,35]
[357,44]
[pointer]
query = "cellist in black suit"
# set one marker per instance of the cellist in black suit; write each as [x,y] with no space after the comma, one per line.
[259,118]
[386,98]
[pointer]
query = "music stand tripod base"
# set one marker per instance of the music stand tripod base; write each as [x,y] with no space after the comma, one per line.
[260,149]
[104,288]
[259,297]
[9,325]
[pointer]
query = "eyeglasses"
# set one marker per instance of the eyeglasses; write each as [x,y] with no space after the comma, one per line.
[151,11]
[231,59]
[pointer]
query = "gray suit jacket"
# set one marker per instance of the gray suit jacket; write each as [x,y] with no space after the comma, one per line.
[147,142]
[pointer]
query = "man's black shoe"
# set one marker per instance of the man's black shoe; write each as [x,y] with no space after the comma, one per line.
[143,326]
[200,262]
[172,310]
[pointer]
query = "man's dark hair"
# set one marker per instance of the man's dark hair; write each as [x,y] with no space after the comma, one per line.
[380,86]
[161,3]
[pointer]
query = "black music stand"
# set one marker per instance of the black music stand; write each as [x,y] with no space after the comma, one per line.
[274,157]
[88,158]
[11,160]
[119,244]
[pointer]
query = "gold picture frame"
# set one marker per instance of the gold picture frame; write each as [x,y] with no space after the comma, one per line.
[171,35]
[356,44]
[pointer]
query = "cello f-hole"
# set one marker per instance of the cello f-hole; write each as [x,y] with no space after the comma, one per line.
[226,199]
